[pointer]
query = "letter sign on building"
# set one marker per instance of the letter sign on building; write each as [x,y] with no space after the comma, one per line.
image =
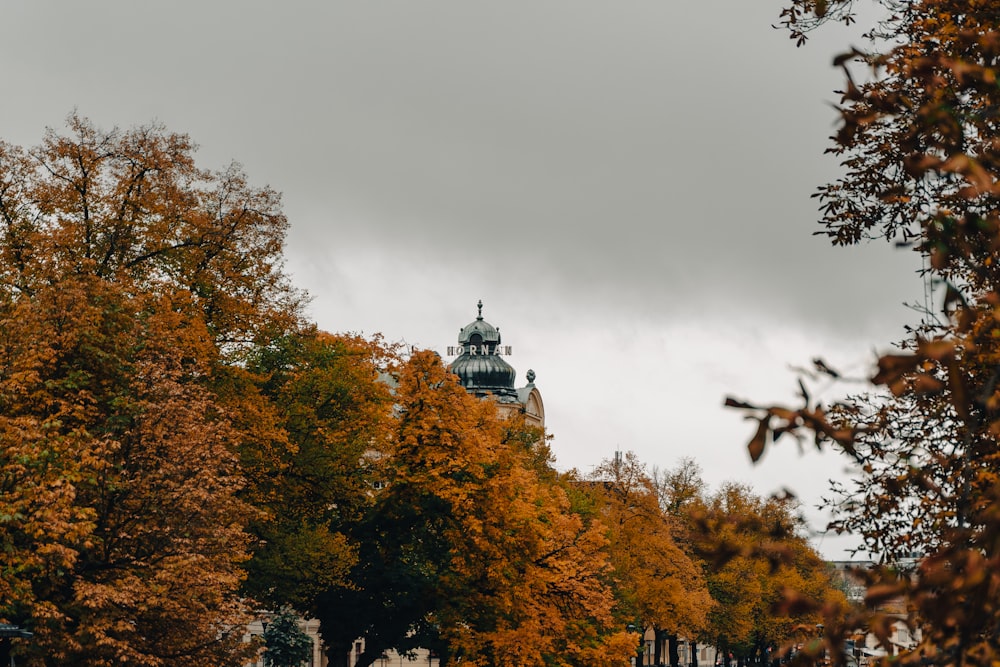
[484,349]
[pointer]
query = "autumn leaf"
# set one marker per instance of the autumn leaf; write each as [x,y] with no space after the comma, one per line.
[759,440]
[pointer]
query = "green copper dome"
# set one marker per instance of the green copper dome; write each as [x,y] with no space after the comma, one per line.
[480,366]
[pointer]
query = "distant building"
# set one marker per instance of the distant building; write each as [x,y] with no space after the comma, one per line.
[482,368]
[848,576]
[844,574]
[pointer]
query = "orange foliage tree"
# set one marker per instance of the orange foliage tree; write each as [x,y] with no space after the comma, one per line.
[131,284]
[472,552]
[918,142]
[755,553]
[657,584]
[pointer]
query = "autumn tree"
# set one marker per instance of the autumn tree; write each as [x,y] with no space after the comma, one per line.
[472,553]
[753,551]
[681,492]
[756,552]
[678,488]
[131,284]
[657,584]
[918,143]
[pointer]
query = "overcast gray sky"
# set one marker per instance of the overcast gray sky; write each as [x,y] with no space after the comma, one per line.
[625,185]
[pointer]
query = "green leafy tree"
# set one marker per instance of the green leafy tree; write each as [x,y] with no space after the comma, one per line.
[286,644]
[333,411]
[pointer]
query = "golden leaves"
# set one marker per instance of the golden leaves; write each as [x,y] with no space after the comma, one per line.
[658,582]
[503,565]
[129,278]
[767,579]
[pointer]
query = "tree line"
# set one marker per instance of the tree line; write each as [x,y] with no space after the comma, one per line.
[181,449]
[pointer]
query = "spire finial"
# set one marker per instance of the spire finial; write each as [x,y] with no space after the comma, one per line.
[480,306]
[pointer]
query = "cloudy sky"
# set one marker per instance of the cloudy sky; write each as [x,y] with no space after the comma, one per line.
[625,185]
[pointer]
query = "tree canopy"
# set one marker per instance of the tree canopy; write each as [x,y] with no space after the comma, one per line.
[131,282]
[474,551]
[181,451]
[658,584]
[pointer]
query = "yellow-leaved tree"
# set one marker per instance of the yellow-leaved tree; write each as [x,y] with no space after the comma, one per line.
[132,287]
[474,551]
[658,585]
[756,552]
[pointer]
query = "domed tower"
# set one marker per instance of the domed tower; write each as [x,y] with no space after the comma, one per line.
[483,371]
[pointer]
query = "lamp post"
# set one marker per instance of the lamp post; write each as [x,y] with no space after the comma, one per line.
[263,639]
[8,632]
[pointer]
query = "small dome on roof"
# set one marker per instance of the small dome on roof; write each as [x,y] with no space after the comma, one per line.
[478,332]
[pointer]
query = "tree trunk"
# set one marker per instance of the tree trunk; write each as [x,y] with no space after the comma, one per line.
[339,654]
[673,651]
[660,637]
[693,647]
